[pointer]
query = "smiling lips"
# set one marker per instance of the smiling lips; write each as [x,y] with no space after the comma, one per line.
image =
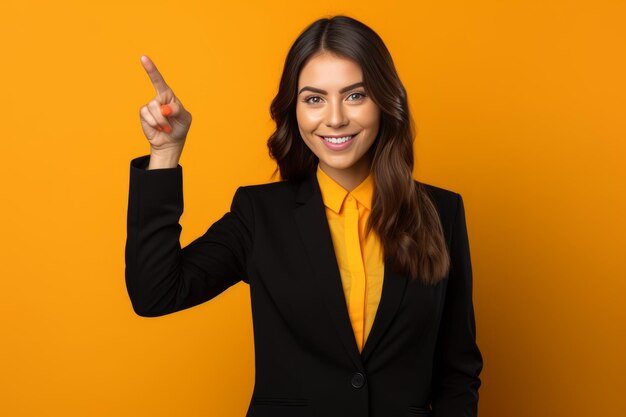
[338,142]
[337,139]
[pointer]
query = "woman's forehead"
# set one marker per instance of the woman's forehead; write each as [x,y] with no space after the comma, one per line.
[330,72]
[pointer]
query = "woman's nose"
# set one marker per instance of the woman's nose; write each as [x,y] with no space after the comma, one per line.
[336,116]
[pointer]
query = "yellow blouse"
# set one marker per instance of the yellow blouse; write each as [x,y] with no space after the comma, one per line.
[359,258]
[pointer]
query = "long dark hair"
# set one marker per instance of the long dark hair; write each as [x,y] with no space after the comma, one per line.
[403,215]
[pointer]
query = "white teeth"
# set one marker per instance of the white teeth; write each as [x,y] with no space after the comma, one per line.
[338,140]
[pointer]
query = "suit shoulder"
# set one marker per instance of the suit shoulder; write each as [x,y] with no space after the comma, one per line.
[271,187]
[444,199]
[439,193]
[271,192]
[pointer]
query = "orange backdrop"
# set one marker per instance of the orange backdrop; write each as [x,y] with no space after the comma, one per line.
[520,107]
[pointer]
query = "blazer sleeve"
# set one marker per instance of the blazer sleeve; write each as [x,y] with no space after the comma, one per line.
[458,360]
[162,278]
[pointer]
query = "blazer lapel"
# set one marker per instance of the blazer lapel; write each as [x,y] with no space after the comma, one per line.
[394,286]
[310,217]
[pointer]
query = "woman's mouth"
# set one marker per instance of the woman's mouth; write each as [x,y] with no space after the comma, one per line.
[338,143]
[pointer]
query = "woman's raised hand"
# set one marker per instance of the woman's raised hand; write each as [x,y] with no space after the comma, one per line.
[164,120]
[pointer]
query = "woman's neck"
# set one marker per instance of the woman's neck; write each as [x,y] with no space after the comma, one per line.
[348,178]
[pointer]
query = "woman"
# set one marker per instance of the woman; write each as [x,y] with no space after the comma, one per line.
[360,276]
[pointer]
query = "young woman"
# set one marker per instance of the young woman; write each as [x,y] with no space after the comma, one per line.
[360,276]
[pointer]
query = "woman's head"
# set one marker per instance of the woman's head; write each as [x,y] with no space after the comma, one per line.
[336,118]
[332,54]
[329,54]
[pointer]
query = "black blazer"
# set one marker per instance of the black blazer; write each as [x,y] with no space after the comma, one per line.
[421,356]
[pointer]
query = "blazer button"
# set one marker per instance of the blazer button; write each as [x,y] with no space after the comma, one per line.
[358,380]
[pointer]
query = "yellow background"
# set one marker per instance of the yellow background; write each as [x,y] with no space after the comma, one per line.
[520,106]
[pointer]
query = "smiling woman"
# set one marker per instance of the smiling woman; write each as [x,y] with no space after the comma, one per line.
[360,276]
[345,87]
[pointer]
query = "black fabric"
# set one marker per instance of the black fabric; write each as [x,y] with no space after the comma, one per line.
[421,356]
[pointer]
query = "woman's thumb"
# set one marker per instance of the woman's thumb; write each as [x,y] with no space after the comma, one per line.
[170,109]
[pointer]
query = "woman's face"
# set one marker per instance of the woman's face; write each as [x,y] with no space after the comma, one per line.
[331,102]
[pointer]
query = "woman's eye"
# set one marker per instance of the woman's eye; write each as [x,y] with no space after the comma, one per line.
[358,94]
[313,102]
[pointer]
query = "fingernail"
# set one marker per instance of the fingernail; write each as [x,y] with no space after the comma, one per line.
[166,110]
[167,129]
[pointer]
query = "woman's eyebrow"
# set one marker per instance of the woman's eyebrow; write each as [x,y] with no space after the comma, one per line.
[343,90]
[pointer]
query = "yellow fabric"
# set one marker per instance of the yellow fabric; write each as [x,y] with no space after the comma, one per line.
[360,258]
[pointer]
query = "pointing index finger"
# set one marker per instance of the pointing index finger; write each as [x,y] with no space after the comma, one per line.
[155,76]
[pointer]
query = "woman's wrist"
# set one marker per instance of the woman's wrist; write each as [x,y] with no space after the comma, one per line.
[163,159]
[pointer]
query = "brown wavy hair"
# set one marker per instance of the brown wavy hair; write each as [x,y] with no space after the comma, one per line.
[403,215]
